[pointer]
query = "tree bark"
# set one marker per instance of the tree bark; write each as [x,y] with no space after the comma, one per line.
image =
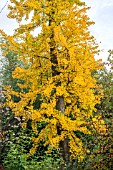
[64,148]
[60,99]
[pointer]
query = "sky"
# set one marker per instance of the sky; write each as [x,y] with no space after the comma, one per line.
[101,13]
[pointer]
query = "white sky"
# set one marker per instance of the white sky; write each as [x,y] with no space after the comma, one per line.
[101,13]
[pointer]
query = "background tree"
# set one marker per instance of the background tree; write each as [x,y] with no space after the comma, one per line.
[100,141]
[61,62]
[9,123]
[106,109]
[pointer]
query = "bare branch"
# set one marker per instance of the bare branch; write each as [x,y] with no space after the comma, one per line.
[3,7]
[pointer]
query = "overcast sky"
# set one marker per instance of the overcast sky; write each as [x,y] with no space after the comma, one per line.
[101,13]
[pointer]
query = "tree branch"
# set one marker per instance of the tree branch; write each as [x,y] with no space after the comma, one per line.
[3,7]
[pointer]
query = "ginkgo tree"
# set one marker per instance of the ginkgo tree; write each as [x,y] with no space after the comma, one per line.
[58,65]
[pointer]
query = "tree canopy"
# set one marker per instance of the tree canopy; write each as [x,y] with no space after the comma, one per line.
[57,84]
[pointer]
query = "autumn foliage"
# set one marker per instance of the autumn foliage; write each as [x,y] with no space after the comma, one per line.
[57,53]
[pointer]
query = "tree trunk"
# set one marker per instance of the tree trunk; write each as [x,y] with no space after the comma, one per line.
[64,148]
[60,100]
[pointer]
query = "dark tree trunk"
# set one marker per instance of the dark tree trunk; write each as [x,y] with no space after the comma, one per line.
[60,100]
[63,144]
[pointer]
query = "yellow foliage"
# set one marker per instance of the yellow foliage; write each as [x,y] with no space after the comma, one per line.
[99,125]
[57,64]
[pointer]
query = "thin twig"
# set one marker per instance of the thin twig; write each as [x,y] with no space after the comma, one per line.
[3,7]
